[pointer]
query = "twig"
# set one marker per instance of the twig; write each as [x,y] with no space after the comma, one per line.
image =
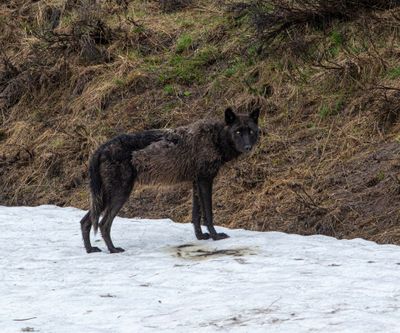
[24,319]
[382,87]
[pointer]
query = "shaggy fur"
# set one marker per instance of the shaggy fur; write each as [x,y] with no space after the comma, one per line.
[193,154]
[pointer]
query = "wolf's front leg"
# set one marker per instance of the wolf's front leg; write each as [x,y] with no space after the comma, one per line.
[205,193]
[196,215]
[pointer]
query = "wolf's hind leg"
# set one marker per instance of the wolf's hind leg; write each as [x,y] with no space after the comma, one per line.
[115,202]
[118,182]
[105,228]
[86,224]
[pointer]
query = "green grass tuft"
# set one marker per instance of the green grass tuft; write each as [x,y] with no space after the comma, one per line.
[169,89]
[326,111]
[380,176]
[337,40]
[189,69]
[119,82]
[183,43]
[394,73]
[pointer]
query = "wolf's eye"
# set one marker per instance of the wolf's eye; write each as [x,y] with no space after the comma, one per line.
[237,132]
[251,132]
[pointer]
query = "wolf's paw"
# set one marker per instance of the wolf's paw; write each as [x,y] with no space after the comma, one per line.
[219,236]
[117,250]
[204,235]
[93,249]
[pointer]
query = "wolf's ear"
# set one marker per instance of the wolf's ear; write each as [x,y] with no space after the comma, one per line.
[230,116]
[255,114]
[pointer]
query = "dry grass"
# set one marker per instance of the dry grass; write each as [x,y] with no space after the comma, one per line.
[70,81]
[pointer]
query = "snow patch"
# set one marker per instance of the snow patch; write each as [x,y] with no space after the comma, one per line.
[167,281]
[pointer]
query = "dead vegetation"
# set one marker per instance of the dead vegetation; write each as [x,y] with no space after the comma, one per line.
[173,5]
[273,18]
[75,73]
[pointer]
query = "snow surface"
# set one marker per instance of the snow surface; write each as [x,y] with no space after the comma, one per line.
[167,281]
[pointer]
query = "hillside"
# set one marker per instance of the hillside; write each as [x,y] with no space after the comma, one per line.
[168,282]
[75,73]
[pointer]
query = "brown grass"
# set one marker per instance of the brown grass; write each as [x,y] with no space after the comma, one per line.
[327,159]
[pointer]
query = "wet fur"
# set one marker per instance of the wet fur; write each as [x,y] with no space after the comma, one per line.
[180,155]
[192,154]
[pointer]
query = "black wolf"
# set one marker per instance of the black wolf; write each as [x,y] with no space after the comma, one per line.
[191,154]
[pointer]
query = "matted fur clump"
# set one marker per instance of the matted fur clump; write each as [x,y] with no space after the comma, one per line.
[174,155]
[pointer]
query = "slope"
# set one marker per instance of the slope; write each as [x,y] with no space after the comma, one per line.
[75,73]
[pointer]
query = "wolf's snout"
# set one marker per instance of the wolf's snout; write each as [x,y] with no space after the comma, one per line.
[247,147]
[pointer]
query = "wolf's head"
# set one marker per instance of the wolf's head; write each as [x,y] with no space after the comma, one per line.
[243,129]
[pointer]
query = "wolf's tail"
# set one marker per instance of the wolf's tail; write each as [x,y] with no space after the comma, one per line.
[96,200]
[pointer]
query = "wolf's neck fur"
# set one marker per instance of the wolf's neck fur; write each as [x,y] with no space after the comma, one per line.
[226,146]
